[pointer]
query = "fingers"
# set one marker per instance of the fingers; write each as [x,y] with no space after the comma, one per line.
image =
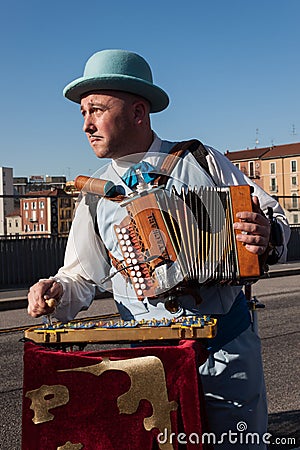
[39,295]
[254,229]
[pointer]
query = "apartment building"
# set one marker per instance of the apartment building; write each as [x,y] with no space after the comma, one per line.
[6,199]
[14,224]
[38,183]
[277,170]
[47,212]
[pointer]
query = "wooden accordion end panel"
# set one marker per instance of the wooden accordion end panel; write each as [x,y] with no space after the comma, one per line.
[187,237]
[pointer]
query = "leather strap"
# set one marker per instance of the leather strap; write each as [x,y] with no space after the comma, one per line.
[193,146]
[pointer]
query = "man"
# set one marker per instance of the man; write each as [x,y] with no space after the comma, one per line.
[117,95]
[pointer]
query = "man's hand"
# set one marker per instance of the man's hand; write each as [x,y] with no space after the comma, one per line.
[39,293]
[255,229]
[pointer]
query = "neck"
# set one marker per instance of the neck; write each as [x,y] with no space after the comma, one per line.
[138,148]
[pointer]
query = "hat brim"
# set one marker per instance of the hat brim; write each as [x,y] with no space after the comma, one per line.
[158,98]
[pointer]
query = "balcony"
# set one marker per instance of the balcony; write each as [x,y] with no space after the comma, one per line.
[251,174]
[291,206]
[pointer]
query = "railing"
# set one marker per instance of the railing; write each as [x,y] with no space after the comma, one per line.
[24,261]
[26,258]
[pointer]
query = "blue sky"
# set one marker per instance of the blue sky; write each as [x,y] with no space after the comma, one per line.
[230,67]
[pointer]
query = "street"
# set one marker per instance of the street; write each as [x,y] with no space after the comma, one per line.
[279,330]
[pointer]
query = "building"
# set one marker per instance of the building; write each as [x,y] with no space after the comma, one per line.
[277,170]
[47,213]
[24,185]
[14,224]
[6,196]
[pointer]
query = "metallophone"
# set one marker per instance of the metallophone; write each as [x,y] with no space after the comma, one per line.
[170,242]
[87,331]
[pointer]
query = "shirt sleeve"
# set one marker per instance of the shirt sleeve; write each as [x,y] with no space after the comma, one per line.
[85,265]
[225,173]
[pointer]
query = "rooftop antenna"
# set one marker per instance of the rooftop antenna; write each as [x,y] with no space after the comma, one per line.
[293,130]
[256,140]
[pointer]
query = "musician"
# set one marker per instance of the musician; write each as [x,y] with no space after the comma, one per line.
[117,95]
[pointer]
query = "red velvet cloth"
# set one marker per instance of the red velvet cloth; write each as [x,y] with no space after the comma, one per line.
[91,416]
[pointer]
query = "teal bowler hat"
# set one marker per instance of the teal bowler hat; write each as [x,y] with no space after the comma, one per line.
[118,70]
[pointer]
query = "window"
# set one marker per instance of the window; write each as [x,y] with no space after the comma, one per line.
[272,167]
[294,181]
[9,224]
[41,214]
[42,205]
[295,201]
[251,169]
[295,218]
[26,214]
[33,205]
[273,187]
[16,223]
[237,165]
[42,227]
[294,166]
[26,205]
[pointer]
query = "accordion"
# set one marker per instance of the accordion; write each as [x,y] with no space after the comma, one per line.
[178,240]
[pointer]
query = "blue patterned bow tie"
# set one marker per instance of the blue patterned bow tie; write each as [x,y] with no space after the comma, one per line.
[130,178]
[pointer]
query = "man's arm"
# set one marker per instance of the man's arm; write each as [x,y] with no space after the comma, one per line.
[85,264]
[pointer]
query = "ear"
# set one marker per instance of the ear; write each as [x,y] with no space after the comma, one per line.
[141,111]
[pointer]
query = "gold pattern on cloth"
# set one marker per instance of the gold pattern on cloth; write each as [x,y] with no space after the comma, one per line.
[59,395]
[148,382]
[69,446]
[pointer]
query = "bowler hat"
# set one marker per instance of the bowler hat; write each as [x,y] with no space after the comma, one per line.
[118,70]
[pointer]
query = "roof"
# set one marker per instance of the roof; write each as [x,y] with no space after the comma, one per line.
[283,151]
[276,151]
[255,153]
[15,213]
[47,193]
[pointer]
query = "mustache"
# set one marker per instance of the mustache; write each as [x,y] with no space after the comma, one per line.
[90,135]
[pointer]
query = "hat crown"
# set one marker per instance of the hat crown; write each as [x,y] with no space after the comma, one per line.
[118,62]
[118,70]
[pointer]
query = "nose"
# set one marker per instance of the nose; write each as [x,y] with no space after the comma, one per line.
[88,125]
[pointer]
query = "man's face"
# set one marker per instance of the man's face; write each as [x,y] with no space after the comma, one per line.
[109,122]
